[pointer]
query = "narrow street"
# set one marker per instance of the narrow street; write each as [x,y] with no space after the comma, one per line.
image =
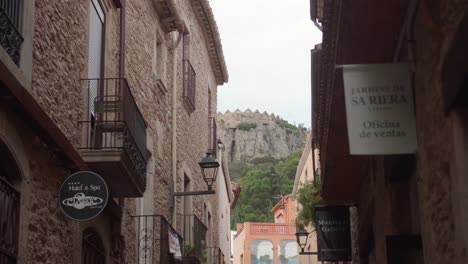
[233,132]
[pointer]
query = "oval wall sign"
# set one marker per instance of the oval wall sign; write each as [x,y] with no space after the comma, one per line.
[83,195]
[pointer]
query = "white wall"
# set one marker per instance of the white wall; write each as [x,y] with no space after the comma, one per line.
[224,210]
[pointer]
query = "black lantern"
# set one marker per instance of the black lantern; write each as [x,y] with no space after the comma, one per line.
[209,168]
[302,236]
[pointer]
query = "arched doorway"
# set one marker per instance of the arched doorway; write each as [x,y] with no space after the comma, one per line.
[92,248]
[10,179]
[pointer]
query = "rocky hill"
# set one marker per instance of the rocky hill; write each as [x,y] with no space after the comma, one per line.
[248,135]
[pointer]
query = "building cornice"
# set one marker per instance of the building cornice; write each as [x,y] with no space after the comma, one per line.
[210,29]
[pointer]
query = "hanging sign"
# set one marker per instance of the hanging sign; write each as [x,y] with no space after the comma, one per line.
[379,109]
[174,244]
[83,195]
[333,233]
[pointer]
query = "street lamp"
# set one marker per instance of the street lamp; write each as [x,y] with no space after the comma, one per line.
[302,236]
[209,168]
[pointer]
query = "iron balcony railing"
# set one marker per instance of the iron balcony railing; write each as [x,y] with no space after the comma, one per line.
[195,235]
[11,16]
[115,122]
[189,84]
[213,141]
[158,241]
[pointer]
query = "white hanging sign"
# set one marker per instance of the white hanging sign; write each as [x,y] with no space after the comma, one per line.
[174,244]
[379,109]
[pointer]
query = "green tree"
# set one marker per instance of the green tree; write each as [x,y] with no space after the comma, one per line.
[286,170]
[308,196]
[261,180]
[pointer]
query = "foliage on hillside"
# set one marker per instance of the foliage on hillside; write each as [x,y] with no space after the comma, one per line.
[261,179]
[290,128]
[246,126]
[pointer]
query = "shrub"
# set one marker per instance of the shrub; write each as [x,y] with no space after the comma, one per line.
[309,197]
[246,126]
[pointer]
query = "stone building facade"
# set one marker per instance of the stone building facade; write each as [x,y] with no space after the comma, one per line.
[126,89]
[406,208]
[307,170]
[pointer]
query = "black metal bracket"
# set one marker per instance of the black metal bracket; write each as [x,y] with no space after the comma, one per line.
[308,253]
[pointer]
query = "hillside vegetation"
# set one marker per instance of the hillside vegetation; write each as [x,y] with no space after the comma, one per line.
[262,179]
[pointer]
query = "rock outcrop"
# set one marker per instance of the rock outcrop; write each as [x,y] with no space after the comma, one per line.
[248,135]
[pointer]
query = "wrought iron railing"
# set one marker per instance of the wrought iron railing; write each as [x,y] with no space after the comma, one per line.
[189,84]
[158,241]
[11,16]
[195,235]
[213,141]
[9,224]
[115,122]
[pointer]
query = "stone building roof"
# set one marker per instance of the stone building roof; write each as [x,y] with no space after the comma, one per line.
[215,49]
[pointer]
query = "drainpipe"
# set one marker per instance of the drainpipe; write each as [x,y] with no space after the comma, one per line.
[176,37]
[118,232]
[122,40]
[122,55]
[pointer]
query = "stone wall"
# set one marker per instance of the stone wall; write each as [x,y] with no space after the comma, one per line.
[60,57]
[42,238]
[192,128]
[60,45]
[141,31]
[436,149]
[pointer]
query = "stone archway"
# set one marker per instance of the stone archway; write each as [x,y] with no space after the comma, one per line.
[10,196]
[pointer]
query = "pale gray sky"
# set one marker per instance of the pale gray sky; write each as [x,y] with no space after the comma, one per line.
[267,47]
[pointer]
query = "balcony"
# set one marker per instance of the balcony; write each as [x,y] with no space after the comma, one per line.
[10,23]
[195,235]
[212,141]
[272,229]
[189,85]
[157,240]
[114,144]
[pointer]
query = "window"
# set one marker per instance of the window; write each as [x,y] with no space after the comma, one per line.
[159,62]
[92,249]
[95,44]
[11,16]
[189,78]
[280,219]
[9,207]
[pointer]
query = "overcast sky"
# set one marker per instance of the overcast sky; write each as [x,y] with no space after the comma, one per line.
[267,45]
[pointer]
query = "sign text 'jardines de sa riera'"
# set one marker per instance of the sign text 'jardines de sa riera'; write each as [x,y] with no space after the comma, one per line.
[83,195]
[379,109]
